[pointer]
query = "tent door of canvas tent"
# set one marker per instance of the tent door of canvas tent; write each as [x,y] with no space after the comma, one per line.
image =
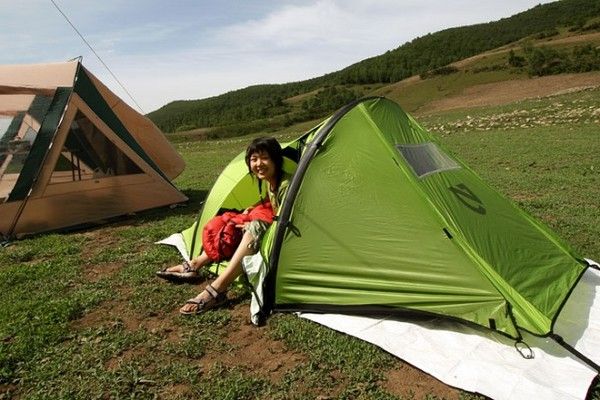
[87,153]
[48,111]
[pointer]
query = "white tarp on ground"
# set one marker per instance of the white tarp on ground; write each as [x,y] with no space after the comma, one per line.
[486,362]
[176,240]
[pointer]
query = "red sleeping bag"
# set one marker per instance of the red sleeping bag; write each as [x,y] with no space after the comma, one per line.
[221,236]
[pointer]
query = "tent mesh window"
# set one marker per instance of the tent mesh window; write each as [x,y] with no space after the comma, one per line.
[89,154]
[426,158]
[21,116]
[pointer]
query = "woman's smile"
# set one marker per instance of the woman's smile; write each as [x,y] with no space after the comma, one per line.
[262,166]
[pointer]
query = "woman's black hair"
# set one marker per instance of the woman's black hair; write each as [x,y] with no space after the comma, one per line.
[270,146]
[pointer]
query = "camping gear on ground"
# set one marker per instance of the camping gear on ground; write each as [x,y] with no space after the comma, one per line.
[72,152]
[380,219]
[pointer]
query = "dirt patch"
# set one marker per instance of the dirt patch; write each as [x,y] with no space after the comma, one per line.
[9,392]
[154,324]
[253,349]
[493,94]
[115,311]
[94,273]
[128,355]
[98,241]
[407,381]
[98,316]
[179,391]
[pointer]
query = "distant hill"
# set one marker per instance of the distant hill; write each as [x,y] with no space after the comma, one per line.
[273,106]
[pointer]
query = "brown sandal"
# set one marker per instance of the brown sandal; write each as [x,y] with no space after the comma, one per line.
[188,275]
[216,299]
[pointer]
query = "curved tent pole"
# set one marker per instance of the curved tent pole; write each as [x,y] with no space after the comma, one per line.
[283,220]
[193,246]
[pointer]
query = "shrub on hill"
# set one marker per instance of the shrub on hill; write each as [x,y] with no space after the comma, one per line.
[445,70]
[515,60]
[548,61]
[546,34]
[594,26]
[328,99]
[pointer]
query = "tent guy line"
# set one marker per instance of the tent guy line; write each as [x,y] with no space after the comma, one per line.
[98,57]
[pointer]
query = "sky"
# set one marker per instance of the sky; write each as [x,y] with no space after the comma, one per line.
[163,51]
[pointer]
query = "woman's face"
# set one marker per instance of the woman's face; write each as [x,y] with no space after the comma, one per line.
[262,166]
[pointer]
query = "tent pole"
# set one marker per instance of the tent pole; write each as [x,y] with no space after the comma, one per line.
[42,144]
[285,211]
[17,216]
[559,339]
[192,247]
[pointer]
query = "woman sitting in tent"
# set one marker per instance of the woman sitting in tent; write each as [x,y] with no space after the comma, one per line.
[265,161]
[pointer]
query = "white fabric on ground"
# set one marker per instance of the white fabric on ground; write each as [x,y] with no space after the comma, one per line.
[581,316]
[486,362]
[176,240]
[256,271]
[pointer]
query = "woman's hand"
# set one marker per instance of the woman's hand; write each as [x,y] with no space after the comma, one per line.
[247,210]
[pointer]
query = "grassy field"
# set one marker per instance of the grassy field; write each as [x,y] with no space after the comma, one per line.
[82,315]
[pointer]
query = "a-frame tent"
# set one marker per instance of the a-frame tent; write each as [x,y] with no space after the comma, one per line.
[72,152]
[380,219]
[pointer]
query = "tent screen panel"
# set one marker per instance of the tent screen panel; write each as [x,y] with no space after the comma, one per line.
[89,154]
[426,158]
[21,116]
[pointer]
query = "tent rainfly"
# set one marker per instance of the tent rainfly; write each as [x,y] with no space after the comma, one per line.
[72,152]
[380,219]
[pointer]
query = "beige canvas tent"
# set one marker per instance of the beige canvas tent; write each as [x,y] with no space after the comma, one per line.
[72,152]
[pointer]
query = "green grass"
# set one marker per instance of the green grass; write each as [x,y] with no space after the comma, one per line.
[83,317]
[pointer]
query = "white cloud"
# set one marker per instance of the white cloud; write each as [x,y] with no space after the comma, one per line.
[292,27]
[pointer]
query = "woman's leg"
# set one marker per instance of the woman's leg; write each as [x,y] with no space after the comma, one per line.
[233,270]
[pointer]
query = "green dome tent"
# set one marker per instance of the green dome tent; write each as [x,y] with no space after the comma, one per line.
[379,218]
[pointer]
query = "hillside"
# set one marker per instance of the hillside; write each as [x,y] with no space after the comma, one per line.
[487,80]
[268,107]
